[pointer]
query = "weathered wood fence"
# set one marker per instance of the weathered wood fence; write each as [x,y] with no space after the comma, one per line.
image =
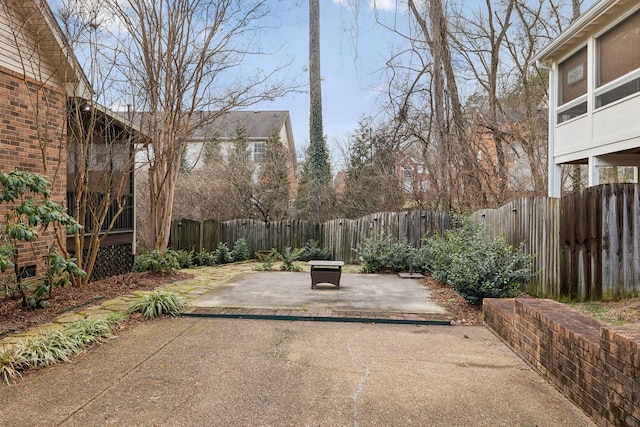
[587,244]
[534,225]
[341,236]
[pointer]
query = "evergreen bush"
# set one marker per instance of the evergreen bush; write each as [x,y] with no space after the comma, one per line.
[157,262]
[206,258]
[240,251]
[474,265]
[185,258]
[312,250]
[288,257]
[381,252]
[223,254]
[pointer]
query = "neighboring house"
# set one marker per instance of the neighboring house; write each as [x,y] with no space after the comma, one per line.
[40,78]
[412,174]
[594,91]
[258,126]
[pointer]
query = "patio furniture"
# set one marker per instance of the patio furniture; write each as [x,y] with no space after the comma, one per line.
[323,271]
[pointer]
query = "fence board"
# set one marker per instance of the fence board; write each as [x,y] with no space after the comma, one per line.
[185,234]
[587,244]
[341,236]
[533,224]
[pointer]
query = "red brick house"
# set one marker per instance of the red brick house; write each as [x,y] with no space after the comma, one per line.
[40,80]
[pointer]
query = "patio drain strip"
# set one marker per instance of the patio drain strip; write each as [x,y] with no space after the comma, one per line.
[320,316]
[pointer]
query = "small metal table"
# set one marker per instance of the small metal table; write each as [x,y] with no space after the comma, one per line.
[325,272]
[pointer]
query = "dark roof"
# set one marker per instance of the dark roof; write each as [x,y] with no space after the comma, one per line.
[257,124]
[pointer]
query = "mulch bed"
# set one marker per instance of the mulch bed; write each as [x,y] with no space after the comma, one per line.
[463,313]
[16,318]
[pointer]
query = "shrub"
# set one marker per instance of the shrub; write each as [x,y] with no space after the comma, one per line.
[206,258]
[313,251]
[382,253]
[288,257]
[185,259]
[156,303]
[240,251]
[157,262]
[267,260]
[222,254]
[29,210]
[476,266]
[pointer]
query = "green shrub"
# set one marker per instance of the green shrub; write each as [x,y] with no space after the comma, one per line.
[240,251]
[381,253]
[476,266]
[223,254]
[157,262]
[206,258]
[185,258]
[156,303]
[313,251]
[288,257]
[267,260]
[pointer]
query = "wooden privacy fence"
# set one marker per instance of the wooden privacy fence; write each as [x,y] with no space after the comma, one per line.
[601,242]
[534,225]
[341,236]
[587,244]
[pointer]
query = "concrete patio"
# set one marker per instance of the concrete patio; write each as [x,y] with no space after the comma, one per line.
[378,298]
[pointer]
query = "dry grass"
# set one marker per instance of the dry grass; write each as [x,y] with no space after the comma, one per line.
[613,313]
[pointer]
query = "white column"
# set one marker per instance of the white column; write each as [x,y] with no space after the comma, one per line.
[594,171]
[555,189]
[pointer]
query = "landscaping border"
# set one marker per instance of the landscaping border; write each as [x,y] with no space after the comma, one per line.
[596,366]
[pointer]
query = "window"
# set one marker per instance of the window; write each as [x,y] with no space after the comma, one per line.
[573,77]
[618,50]
[259,149]
[572,88]
[617,57]
[407,178]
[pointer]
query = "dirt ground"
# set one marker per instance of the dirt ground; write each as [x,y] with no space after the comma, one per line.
[16,318]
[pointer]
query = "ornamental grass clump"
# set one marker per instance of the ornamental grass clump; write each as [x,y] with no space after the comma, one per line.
[56,346]
[153,304]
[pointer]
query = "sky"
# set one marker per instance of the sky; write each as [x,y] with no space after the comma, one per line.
[352,54]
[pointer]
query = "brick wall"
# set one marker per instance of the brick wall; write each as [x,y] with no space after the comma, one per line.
[597,367]
[32,138]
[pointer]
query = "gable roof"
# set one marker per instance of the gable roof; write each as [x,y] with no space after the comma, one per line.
[52,43]
[257,124]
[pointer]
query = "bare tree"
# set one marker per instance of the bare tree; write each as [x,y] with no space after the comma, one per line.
[181,57]
[371,183]
[100,155]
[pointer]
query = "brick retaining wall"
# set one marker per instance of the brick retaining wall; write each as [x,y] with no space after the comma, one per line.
[596,366]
